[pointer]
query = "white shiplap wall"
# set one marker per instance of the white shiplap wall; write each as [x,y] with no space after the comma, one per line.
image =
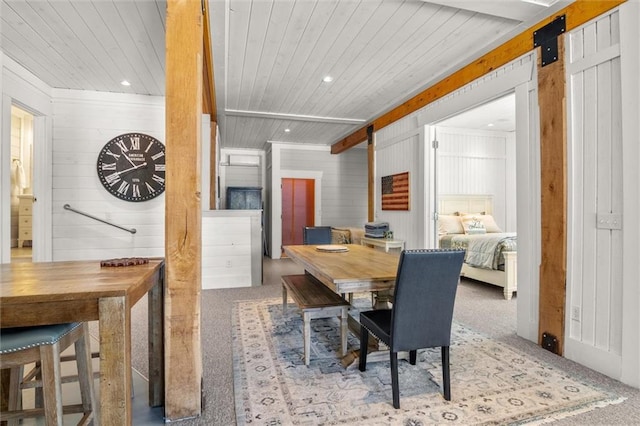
[399,156]
[83,122]
[343,190]
[344,182]
[477,162]
[595,284]
[234,175]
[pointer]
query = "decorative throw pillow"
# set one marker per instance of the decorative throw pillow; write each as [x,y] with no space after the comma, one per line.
[487,221]
[472,224]
[449,224]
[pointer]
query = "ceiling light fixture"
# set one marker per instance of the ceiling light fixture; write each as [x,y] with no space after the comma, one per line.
[287,130]
[327,79]
[125,83]
[490,125]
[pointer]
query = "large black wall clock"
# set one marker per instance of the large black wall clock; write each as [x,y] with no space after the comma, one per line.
[131,167]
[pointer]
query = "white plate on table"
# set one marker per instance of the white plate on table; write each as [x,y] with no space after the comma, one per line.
[332,248]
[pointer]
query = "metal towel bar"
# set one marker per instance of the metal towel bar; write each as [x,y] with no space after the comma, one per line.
[68,207]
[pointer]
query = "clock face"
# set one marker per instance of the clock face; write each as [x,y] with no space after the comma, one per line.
[131,167]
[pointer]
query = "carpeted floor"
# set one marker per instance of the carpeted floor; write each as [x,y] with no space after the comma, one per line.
[479,306]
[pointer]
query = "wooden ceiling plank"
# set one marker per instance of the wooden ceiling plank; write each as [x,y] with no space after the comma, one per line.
[421,64]
[112,54]
[289,55]
[256,35]
[17,46]
[51,44]
[309,52]
[358,15]
[415,30]
[132,63]
[437,58]
[152,15]
[577,13]
[238,49]
[270,54]
[83,43]
[144,56]
[385,29]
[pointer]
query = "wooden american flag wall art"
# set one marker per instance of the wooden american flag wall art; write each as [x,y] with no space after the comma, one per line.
[395,192]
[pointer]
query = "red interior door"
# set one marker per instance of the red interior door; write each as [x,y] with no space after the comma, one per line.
[298,206]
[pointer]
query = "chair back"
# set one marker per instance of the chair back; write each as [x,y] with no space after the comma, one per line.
[316,235]
[424,297]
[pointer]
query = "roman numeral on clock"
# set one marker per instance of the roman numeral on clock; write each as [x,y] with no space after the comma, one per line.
[124,186]
[135,143]
[122,146]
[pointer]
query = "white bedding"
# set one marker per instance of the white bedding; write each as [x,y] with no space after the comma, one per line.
[483,250]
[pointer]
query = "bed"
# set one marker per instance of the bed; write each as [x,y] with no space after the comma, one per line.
[466,221]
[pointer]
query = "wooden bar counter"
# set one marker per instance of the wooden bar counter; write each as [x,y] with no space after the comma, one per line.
[57,292]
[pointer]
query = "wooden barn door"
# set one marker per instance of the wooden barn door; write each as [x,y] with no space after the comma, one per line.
[298,208]
[594,285]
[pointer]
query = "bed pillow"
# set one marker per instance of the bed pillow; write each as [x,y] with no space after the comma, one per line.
[471,224]
[485,221]
[449,224]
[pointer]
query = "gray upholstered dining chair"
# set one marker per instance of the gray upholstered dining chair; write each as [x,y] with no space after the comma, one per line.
[421,314]
[316,235]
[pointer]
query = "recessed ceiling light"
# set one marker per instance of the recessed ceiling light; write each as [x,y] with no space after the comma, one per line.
[125,83]
[327,79]
[490,125]
[287,130]
[545,3]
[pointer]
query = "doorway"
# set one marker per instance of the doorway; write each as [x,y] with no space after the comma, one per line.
[22,123]
[298,208]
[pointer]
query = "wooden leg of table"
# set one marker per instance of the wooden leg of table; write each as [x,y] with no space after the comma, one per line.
[156,344]
[5,378]
[307,336]
[344,330]
[115,361]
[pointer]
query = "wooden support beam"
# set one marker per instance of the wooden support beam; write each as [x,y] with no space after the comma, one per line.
[209,104]
[350,141]
[183,241]
[209,93]
[553,164]
[213,165]
[370,180]
[577,13]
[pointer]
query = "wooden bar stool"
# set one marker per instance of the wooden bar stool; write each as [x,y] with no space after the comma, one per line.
[42,345]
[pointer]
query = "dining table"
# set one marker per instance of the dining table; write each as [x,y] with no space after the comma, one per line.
[352,268]
[356,268]
[40,293]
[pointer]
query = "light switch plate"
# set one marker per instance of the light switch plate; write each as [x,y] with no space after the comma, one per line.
[608,221]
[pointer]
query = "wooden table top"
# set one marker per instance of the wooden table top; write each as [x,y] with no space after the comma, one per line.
[359,269]
[72,280]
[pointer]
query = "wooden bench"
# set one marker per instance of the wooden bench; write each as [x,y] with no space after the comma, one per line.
[315,300]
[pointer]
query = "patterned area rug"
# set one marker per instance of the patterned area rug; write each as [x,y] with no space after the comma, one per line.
[490,382]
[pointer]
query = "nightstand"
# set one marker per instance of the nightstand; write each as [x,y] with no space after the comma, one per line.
[24,219]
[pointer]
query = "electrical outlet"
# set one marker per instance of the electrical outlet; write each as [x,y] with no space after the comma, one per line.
[228,264]
[575,313]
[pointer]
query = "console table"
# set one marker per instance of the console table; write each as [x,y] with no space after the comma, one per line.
[382,242]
